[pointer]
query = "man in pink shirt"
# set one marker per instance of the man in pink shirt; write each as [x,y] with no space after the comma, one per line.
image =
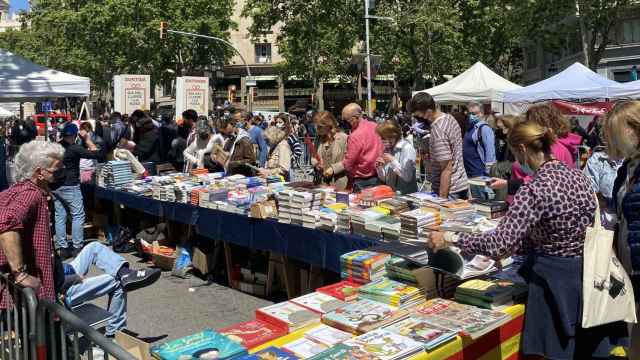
[364,147]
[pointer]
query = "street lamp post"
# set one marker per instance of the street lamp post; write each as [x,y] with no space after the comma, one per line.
[366,21]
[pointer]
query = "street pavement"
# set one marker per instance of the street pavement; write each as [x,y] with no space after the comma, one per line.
[175,307]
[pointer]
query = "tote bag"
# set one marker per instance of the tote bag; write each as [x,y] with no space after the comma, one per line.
[607,294]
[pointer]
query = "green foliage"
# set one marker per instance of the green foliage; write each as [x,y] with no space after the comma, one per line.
[100,39]
[316,37]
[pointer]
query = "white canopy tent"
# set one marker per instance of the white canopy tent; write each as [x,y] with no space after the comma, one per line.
[22,80]
[478,83]
[575,82]
[628,90]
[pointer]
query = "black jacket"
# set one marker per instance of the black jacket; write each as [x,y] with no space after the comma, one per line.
[149,146]
[70,175]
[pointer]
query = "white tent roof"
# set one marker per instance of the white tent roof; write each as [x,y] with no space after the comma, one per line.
[4,113]
[20,79]
[477,83]
[575,82]
[626,90]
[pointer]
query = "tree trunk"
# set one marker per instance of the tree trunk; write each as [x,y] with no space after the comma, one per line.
[584,38]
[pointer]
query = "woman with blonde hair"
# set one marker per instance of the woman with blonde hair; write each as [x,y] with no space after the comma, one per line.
[622,134]
[279,157]
[332,146]
[547,222]
[397,165]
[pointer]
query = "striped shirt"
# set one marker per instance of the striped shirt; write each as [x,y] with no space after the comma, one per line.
[446,144]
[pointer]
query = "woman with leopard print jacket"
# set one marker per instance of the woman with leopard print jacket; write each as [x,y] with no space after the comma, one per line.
[547,222]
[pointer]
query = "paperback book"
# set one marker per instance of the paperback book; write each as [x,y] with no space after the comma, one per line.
[382,344]
[304,348]
[270,353]
[422,331]
[253,333]
[287,315]
[343,290]
[326,335]
[363,316]
[318,302]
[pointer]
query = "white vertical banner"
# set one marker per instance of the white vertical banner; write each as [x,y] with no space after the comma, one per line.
[192,93]
[131,93]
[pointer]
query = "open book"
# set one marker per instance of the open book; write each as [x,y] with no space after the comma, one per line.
[446,260]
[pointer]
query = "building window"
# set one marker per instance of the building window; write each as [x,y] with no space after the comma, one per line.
[263,53]
[630,32]
[622,76]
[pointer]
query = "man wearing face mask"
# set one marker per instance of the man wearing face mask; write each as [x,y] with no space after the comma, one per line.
[241,156]
[364,147]
[68,189]
[448,177]
[195,153]
[25,234]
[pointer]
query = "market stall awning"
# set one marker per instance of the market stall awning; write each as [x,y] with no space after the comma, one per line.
[628,90]
[22,80]
[477,83]
[575,82]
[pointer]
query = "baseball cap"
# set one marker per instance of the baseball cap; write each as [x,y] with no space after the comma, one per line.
[70,129]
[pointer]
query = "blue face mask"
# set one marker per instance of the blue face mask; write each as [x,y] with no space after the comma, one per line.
[527,169]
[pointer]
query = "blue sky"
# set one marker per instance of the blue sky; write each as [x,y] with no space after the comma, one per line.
[17,5]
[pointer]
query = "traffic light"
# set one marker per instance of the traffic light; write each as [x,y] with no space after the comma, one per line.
[164,28]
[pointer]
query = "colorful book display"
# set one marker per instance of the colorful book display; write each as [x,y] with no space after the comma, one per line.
[362,316]
[253,333]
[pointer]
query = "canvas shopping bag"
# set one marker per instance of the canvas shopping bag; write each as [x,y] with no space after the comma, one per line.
[607,294]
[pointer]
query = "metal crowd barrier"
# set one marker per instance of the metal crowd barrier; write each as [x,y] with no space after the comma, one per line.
[59,333]
[18,322]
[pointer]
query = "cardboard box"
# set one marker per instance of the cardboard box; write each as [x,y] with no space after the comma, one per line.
[202,260]
[136,347]
[164,262]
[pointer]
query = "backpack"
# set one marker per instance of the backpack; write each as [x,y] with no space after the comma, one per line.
[479,141]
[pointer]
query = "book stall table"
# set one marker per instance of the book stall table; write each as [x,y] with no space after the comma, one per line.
[320,249]
[500,344]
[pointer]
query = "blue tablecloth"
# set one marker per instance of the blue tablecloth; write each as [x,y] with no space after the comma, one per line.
[310,246]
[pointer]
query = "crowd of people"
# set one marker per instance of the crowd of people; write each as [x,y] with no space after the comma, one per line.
[532,162]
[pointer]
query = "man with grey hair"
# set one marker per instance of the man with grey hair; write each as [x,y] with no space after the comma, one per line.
[25,235]
[364,147]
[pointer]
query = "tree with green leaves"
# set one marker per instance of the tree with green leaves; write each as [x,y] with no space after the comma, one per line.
[315,37]
[99,39]
[424,42]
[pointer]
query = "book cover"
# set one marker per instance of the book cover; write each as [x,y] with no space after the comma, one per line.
[327,335]
[304,348]
[382,344]
[338,352]
[421,331]
[206,344]
[253,333]
[343,290]
[363,315]
[490,291]
[318,302]
[286,315]
[270,353]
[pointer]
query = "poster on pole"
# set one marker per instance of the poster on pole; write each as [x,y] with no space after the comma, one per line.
[192,93]
[131,93]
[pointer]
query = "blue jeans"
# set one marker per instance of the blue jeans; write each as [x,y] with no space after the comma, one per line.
[106,284]
[73,198]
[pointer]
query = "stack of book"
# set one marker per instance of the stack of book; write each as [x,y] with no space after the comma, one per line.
[344,290]
[287,315]
[395,206]
[390,228]
[344,220]
[392,292]
[363,316]
[400,269]
[311,219]
[301,202]
[468,320]
[360,219]
[454,210]
[164,192]
[202,345]
[115,174]
[362,266]
[485,294]
[426,199]
[412,222]
[284,206]
[491,209]
[328,221]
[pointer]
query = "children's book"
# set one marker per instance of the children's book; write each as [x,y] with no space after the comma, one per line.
[362,316]
[327,335]
[420,330]
[344,290]
[207,344]
[318,302]
[287,315]
[304,348]
[253,333]
[382,344]
[270,353]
